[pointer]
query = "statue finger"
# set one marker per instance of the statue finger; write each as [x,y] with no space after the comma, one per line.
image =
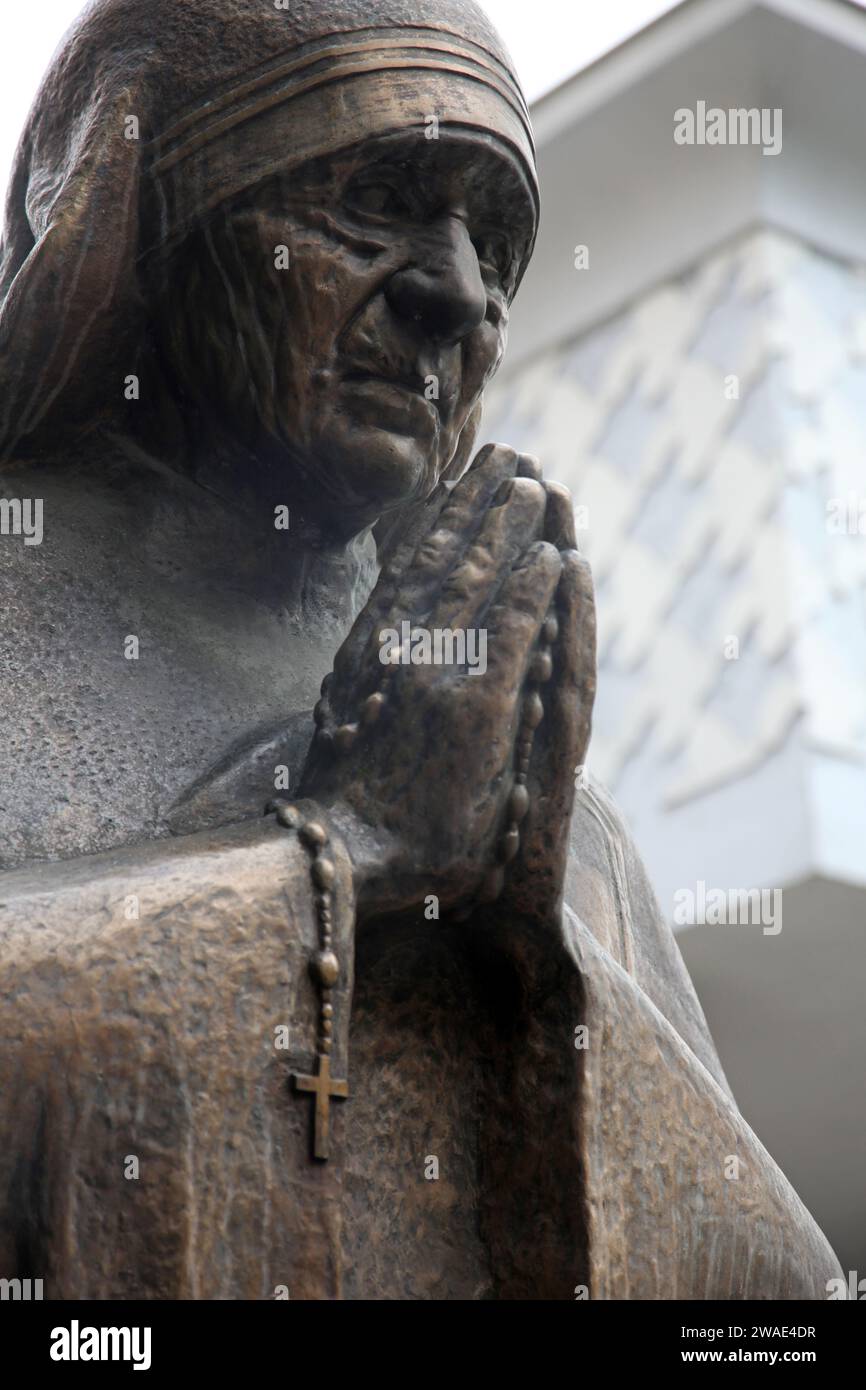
[508,527]
[528,466]
[413,577]
[457,528]
[572,689]
[515,618]
[423,553]
[556,744]
[562,738]
[559,519]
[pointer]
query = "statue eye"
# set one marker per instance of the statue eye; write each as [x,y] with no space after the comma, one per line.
[494,250]
[377,199]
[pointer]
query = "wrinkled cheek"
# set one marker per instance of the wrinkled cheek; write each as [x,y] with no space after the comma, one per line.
[327,297]
[482,353]
[313,305]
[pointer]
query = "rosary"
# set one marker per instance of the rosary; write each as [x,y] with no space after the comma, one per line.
[325,969]
[325,964]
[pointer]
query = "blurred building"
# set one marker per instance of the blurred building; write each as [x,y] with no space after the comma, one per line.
[688,354]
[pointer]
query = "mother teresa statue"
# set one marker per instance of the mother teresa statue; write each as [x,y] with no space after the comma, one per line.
[317,979]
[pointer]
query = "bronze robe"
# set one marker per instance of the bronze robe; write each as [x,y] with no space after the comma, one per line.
[483,1151]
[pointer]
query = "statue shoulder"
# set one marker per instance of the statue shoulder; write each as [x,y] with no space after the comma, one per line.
[608,889]
[126,924]
[606,881]
[67,896]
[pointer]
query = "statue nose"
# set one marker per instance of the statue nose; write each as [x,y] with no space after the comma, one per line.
[443,291]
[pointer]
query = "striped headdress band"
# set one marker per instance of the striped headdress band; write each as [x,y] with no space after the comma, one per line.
[325,95]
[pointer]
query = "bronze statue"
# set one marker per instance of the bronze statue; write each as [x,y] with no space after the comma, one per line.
[256,272]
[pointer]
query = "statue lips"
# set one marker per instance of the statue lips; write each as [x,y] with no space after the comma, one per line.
[394,401]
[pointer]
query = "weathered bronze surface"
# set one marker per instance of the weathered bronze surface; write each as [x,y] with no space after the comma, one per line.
[255,275]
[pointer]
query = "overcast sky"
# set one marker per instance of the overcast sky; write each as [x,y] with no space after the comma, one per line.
[549,39]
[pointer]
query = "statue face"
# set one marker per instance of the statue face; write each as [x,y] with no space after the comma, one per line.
[385,312]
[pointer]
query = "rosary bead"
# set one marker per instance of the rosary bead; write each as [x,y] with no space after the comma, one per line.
[372,707]
[313,835]
[518,804]
[287,815]
[326,968]
[541,667]
[323,872]
[533,710]
[509,844]
[550,630]
[345,736]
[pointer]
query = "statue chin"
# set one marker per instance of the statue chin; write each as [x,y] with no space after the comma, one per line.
[371,468]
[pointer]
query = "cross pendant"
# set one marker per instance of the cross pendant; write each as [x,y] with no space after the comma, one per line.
[323,1086]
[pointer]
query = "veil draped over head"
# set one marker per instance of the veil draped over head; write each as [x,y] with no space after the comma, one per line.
[154,112]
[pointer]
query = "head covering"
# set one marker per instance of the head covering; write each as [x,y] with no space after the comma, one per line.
[154,112]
